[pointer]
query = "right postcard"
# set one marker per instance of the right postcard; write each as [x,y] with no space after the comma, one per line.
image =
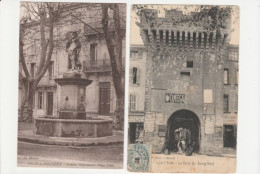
[183,88]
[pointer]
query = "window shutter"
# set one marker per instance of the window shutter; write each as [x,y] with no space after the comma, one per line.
[131,75]
[134,75]
[132,102]
[138,76]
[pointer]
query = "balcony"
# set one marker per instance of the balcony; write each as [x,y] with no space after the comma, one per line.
[101,65]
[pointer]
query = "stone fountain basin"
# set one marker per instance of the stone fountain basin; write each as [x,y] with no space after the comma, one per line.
[91,127]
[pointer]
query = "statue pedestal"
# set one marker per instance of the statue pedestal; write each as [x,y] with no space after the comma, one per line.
[72,121]
[72,95]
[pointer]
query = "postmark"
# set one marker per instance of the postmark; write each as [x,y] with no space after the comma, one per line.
[139,157]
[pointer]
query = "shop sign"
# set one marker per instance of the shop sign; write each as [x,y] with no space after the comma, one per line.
[162,130]
[174,98]
[136,119]
[149,134]
[230,119]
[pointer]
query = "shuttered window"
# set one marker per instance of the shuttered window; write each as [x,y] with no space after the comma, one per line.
[40,100]
[132,102]
[226,76]
[135,75]
[226,105]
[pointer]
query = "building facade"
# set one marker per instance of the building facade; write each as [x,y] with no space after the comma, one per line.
[137,72]
[86,20]
[191,86]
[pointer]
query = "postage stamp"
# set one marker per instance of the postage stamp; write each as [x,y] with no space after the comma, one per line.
[139,157]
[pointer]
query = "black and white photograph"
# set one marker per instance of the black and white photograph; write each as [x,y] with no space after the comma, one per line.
[71,85]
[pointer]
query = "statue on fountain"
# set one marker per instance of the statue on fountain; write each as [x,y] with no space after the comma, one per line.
[73,48]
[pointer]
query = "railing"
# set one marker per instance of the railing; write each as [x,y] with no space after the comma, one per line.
[96,65]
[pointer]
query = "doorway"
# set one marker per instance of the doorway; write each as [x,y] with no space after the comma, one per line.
[49,103]
[104,98]
[136,133]
[230,136]
[183,125]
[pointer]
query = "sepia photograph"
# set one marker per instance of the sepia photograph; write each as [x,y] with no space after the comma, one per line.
[117,87]
[71,85]
[183,88]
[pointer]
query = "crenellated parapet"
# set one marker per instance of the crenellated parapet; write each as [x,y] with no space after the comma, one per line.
[161,39]
[177,31]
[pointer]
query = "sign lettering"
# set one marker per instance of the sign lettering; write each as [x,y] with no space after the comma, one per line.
[174,98]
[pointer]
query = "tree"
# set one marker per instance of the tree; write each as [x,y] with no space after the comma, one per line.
[114,45]
[44,15]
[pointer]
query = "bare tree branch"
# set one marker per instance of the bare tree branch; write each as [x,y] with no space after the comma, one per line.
[21,54]
[84,22]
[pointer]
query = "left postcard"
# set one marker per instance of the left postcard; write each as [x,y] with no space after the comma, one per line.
[71,85]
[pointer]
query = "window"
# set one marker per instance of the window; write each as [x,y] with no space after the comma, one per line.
[93,53]
[134,54]
[135,72]
[32,69]
[226,77]
[134,75]
[189,64]
[51,69]
[40,100]
[226,108]
[233,55]
[34,101]
[140,54]
[185,73]
[132,102]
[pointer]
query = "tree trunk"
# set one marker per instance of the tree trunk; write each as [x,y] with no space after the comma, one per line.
[26,108]
[119,113]
[115,54]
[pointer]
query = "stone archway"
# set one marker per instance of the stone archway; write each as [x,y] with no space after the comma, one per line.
[183,124]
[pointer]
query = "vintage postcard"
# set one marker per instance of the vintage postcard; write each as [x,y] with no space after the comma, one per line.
[183,88]
[71,85]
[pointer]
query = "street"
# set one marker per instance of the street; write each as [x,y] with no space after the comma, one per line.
[36,155]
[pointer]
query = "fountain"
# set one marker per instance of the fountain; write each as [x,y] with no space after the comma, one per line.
[72,120]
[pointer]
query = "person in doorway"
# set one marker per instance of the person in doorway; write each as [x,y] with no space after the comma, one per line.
[189,150]
[179,147]
[140,138]
[183,145]
[193,147]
